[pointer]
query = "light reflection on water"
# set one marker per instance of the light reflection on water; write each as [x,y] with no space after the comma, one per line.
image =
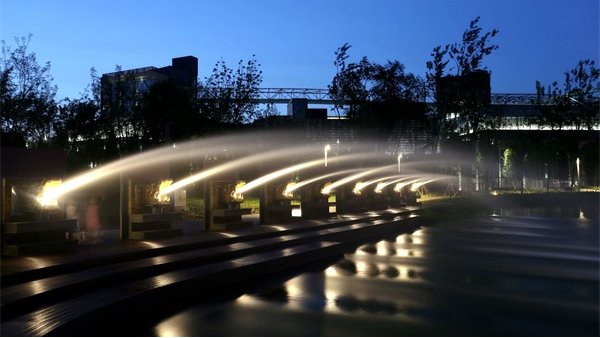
[430,282]
[585,212]
[312,304]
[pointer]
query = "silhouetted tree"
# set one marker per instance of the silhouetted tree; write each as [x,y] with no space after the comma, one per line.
[27,94]
[119,99]
[582,84]
[437,115]
[231,96]
[77,127]
[392,84]
[269,110]
[468,54]
[167,115]
[462,100]
[349,86]
[76,132]
[576,104]
[357,86]
[552,107]
[462,96]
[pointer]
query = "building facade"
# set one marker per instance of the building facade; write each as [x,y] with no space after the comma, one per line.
[183,71]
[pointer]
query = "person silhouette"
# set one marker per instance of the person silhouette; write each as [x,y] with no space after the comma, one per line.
[92,221]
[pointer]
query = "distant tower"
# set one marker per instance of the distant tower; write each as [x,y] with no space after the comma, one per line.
[189,64]
[296,109]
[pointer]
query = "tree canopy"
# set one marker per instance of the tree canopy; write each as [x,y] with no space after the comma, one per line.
[574,104]
[230,95]
[27,95]
[357,85]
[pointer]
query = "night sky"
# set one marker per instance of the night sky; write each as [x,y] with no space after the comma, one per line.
[295,41]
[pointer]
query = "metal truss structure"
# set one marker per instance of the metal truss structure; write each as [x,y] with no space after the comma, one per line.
[321,96]
[284,95]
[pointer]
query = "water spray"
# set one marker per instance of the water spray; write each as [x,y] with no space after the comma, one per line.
[315,179]
[164,154]
[278,173]
[345,180]
[400,185]
[231,165]
[380,184]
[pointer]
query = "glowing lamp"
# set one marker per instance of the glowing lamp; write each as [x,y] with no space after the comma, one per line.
[289,191]
[326,190]
[417,185]
[379,187]
[357,188]
[236,195]
[49,196]
[160,196]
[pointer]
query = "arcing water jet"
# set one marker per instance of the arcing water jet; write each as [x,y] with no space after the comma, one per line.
[239,143]
[278,173]
[300,184]
[235,164]
[380,185]
[351,178]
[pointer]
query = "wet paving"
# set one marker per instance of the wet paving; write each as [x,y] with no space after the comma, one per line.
[102,288]
[499,275]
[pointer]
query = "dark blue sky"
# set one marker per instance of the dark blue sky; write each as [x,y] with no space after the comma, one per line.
[295,40]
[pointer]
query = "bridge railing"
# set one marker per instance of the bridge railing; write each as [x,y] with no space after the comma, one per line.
[284,95]
[321,96]
[513,98]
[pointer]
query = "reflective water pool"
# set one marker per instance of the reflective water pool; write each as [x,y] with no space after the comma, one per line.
[487,276]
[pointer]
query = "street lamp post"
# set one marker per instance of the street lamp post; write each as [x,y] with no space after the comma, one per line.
[327,147]
[578,177]
[399,158]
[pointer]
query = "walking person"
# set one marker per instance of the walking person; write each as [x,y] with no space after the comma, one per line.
[92,221]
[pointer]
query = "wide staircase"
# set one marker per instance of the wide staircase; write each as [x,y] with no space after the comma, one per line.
[77,297]
[154,226]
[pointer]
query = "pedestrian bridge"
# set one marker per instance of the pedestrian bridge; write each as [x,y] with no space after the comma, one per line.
[321,96]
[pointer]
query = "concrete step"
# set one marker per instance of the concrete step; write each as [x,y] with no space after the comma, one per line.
[30,249]
[154,225]
[66,265]
[20,298]
[155,234]
[142,218]
[122,302]
[231,226]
